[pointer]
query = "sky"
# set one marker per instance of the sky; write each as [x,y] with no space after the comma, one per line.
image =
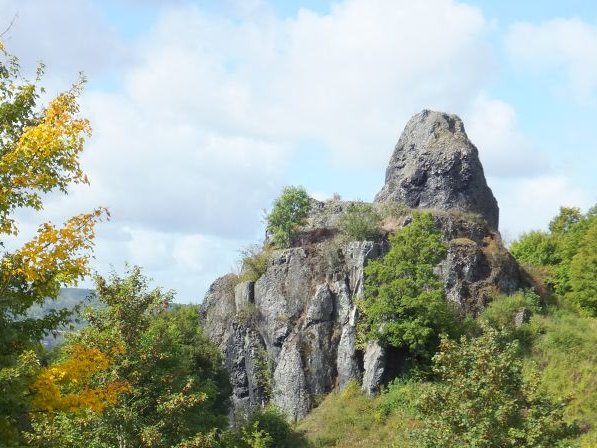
[203,110]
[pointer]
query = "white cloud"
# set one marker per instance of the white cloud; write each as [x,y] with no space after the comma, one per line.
[567,45]
[199,137]
[504,150]
[69,36]
[531,203]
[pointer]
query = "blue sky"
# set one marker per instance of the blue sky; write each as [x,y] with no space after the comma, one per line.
[203,110]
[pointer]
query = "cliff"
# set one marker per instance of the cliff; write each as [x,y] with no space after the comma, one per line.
[290,336]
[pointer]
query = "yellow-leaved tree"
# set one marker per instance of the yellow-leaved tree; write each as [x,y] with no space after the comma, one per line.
[40,147]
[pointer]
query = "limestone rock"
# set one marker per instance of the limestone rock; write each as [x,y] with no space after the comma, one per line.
[523,316]
[435,165]
[374,365]
[290,384]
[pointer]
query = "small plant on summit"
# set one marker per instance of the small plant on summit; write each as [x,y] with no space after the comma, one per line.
[254,262]
[290,211]
[361,221]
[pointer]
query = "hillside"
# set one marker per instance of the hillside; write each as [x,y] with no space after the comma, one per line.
[68,298]
[335,320]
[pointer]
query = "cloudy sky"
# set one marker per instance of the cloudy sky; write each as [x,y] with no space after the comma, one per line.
[203,110]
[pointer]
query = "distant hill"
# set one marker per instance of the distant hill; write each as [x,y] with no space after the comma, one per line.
[68,298]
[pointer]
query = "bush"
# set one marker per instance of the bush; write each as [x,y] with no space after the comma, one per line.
[535,248]
[568,360]
[361,222]
[583,273]
[405,303]
[501,311]
[501,314]
[265,428]
[289,212]
[254,263]
[553,252]
[485,401]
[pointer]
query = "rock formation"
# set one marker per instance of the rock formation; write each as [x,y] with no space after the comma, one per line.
[435,166]
[291,335]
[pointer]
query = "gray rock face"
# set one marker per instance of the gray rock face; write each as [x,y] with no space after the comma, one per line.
[435,165]
[291,335]
[523,316]
[375,364]
[303,324]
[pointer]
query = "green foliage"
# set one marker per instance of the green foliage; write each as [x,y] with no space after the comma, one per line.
[265,428]
[405,304]
[553,254]
[289,212]
[400,394]
[361,221]
[254,263]
[502,309]
[583,272]
[536,248]
[501,312]
[568,359]
[485,401]
[178,389]
[351,419]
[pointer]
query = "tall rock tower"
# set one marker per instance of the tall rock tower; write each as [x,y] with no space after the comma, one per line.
[435,166]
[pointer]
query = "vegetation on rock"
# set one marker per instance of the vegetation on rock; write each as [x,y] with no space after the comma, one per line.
[289,212]
[405,304]
[361,222]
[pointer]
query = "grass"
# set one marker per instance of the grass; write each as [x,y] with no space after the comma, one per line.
[566,353]
[351,419]
[561,343]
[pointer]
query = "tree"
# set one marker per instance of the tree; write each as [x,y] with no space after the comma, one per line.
[174,388]
[289,212]
[404,302]
[485,401]
[536,248]
[39,154]
[583,272]
[554,252]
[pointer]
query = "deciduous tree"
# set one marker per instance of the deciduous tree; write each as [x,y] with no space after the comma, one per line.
[40,147]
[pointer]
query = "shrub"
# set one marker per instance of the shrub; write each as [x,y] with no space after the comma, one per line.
[554,251]
[265,428]
[583,273]
[254,263]
[361,221]
[485,401]
[289,212]
[501,311]
[536,248]
[405,304]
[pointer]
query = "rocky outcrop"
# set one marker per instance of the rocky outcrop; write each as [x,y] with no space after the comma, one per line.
[291,335]
[435,166]
[296,338]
